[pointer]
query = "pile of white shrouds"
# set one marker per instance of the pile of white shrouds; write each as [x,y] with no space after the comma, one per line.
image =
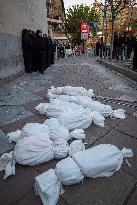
[70,110]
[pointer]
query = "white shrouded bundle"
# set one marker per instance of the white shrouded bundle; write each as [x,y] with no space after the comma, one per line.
[66,106]
[79,100]
[41,108]
[33,151]
[68,172]
[56,107]
[98,119]
[87,102]
[61,149]
[78,134]
[68,90]
[50,110]
[14,136]
[76,119]
[30,129]
[48,187]
[35,130]
[104,110]
[75,147]
[120,113]
[56,130]
[101,161]
[7,163]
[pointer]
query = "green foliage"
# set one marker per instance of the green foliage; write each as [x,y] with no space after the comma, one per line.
[74,16]
[133,25]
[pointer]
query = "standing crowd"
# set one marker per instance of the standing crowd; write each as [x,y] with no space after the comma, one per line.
[38,51]
[123,47]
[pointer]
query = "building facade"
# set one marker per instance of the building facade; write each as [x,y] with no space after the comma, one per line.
[15,16]
[56,18]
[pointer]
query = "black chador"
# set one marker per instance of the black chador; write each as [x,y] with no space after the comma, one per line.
[39,46]
[27,50]
[45,52]
[32,37]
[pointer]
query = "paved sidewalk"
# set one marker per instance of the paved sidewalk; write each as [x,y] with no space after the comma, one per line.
[18,100]
[123,67]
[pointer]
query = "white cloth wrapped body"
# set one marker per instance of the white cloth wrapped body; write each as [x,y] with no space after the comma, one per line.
[48,187]
[33,151]
[68,172]
[101,161]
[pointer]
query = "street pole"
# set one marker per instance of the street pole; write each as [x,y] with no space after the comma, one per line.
[56,54]
[83,47]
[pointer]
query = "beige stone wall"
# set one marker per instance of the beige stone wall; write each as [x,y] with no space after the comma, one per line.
[14,16]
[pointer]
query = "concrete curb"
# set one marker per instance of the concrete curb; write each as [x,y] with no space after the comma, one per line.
[131,74]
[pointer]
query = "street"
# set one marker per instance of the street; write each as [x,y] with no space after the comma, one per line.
[17,107]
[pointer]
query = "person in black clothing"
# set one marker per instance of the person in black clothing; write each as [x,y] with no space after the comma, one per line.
[32,35]
[135,56]
[130,45]
[39,50]
[45,52]
[120,49]
[101,47]
[115,46]
[27,50]
[97,47]
[51,51]
[62,51]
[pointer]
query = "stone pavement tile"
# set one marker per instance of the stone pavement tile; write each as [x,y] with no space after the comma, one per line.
[110,93]
[29,199]
[31,106]
[25,192]
[4,145]
[18,185]
[61,201]
[94,132]
[46,166]
[12,114]
[121,140]
[20,123]
[112,122]
[128,126]
[133,199]
[128,109]
[101,191]
[77,79]
[42,93]
[117,105]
